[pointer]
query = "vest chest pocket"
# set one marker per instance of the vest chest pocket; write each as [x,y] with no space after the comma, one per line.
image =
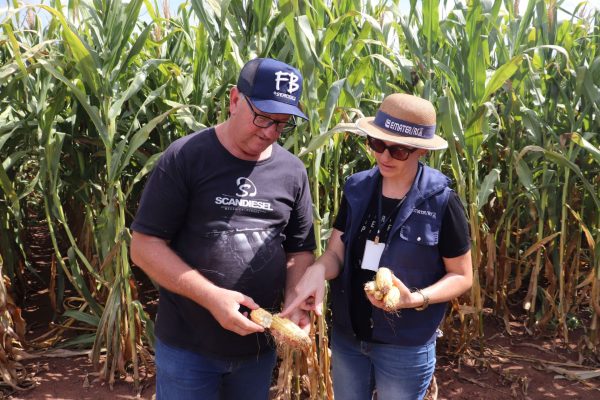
[421,231]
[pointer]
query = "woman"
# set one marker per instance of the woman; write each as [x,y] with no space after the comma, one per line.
[401,215]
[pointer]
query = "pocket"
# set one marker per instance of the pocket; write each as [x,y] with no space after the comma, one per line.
[421,231]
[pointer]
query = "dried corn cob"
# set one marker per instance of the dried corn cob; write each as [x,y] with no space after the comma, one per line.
[383,278]
[382,288]
[392,299]
[370,287]
[282,329]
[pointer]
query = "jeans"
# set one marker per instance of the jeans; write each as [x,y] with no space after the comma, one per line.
[183,374]
[395,372]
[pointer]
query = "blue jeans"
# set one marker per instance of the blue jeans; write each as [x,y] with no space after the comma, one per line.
[396,372]
[183,374]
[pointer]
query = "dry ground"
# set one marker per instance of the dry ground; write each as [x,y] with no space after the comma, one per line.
[509,367]
[501,366]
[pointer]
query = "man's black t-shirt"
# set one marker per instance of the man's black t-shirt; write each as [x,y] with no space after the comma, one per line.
[454,241]
[232,220]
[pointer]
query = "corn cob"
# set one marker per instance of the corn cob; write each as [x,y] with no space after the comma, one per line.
[283,330]
[383,278]
[382,288]
[392,299]
[370,287]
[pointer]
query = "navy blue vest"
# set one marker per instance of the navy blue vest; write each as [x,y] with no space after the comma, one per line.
[411,252]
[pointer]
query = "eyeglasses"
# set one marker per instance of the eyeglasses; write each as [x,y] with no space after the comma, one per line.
[262,121]
[397,151]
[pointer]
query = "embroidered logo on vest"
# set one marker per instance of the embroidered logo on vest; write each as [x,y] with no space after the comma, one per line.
[428,213]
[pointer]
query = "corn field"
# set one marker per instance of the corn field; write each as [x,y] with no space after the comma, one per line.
[92,91]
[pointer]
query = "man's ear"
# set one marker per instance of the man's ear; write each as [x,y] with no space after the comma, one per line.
[234,100]
[422,152]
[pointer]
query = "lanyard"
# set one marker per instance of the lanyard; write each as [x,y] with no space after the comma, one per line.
[380,225]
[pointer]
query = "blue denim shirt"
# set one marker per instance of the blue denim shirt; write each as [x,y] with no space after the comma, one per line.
[411,252]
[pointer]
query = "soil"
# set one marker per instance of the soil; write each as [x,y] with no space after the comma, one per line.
[500,366]
[516,366]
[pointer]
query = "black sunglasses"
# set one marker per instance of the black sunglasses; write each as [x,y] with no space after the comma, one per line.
[397,151]
[262,121]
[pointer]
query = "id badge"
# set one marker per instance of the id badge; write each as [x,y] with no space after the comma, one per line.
[372,255]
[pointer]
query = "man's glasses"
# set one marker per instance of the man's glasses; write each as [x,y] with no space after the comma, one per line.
[397,151]
[262,121]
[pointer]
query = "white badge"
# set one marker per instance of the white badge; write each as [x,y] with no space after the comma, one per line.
[372,255]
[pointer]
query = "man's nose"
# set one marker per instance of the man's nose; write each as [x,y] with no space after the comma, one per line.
[272,131]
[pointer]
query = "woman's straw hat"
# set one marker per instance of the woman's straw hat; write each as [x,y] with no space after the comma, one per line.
[404,119]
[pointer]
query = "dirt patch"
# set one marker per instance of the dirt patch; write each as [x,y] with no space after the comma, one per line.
[518,366]
[75,378]
[513,366]
[500,366]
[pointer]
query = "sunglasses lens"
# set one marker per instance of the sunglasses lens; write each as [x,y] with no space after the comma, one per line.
[376,144]
[399,153]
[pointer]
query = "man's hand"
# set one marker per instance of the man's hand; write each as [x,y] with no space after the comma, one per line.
[225,306]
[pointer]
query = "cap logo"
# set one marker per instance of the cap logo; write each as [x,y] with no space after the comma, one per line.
[290,77]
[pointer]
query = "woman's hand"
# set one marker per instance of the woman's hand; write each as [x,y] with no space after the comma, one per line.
[309,292]
[406,298]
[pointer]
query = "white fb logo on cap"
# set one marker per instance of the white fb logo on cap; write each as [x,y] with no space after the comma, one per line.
[290,77]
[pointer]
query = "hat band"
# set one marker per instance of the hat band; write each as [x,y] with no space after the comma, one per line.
[400,127]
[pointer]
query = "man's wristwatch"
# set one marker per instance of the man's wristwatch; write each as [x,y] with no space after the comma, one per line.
[425,300]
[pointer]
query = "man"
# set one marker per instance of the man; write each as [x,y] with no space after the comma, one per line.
[222,215]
